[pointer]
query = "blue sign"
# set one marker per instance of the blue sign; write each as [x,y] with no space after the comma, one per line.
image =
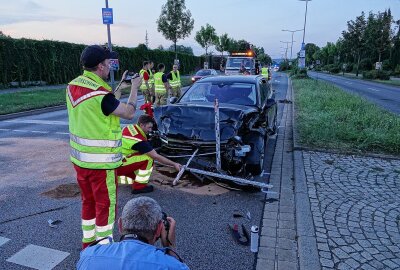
[107,15]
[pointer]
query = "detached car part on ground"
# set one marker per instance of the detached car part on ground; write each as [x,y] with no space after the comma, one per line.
[247,115]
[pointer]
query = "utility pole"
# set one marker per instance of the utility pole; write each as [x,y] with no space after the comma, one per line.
[147,40]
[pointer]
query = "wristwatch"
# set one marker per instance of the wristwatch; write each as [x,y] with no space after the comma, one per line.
[132,104]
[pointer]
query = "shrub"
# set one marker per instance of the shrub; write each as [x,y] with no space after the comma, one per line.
[299,73]
[334,69]
[376,75]
[397,70]
[366,64]
[349,67]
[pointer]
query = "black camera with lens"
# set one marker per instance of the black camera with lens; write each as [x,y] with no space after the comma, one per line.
[130,75]
[165,221]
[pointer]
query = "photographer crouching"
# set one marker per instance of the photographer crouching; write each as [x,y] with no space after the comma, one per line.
[142,223]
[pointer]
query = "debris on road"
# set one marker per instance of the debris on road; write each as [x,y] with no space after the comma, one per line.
[54,223]
[63,191]
[240,239]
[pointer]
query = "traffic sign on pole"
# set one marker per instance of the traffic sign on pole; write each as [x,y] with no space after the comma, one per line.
[107,15]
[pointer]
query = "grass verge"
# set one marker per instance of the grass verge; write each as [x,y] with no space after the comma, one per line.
[24,101]
[37,99]
[327,117]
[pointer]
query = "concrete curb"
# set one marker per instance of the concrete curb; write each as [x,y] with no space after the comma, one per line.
[32,112]
[305,230]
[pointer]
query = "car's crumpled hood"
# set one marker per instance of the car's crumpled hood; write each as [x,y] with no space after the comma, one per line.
[195,122]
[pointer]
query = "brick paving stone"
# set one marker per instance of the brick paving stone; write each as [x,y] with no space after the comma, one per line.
[326,262]
[265,264]
[287,255]
[284,265]
[266,241]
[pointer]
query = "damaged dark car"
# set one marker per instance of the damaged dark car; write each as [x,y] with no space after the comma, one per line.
[247,116]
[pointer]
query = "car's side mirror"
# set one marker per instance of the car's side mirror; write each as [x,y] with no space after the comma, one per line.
[173,100]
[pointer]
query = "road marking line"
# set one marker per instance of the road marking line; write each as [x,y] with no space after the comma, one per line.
[5,129]
[62,133]
[35,131]
[19,130]
[373,89]
[3,240]
[41,122]
[349,82]
[38,257]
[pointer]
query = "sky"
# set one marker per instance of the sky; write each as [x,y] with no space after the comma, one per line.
[258,21]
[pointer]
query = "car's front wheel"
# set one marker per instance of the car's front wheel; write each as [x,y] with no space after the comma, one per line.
[255,158]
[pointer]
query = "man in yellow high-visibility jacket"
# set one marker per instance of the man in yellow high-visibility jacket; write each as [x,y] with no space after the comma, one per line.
[265,72]
[175,82]
[95,140]
[161,86]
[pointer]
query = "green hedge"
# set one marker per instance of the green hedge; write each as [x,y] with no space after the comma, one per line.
[54,62]
[376,74]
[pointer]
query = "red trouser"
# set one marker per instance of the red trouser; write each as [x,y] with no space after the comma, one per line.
[136,173]
[99,200]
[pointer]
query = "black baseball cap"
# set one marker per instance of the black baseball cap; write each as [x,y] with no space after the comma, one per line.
[95,54]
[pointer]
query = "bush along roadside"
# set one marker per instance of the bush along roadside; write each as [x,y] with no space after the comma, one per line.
[327,117]
[376,75]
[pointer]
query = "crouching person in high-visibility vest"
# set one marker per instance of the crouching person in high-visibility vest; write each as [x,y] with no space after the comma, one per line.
[137,163]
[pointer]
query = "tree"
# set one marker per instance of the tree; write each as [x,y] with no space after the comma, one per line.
[142,47]
[311,49]
[233,46]
[243,45]
[222,44]
[355,37]
[206,37]
[378,34]
[175,21]
[181,49]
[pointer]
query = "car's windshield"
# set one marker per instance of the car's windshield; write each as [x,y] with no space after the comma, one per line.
[234,93]
[203,72]
[237,62]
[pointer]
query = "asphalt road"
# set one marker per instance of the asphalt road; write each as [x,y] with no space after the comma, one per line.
[34,160]
[385,96]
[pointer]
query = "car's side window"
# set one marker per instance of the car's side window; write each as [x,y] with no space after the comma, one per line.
[263,90]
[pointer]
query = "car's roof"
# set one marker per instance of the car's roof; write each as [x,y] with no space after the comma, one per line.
[232,78]
[206,69]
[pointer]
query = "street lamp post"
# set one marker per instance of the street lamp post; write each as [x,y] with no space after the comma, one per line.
[303,62]
[291,47]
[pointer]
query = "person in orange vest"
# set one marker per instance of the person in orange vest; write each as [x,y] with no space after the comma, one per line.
[137,164]
[95,138]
